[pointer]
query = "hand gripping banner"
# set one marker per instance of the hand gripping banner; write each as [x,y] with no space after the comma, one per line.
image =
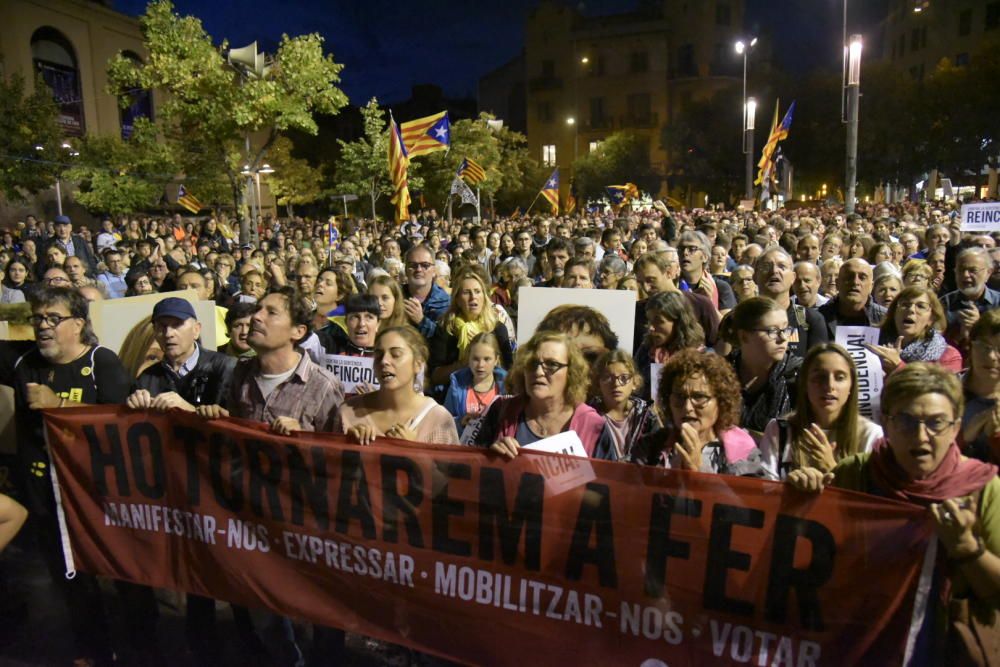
[453,552]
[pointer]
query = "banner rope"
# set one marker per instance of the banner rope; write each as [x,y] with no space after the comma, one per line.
[60,515]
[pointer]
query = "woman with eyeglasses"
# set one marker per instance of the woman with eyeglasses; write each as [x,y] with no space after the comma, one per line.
[759,332]
[671,327]
[981,420]
[912,331]
[701,397]
[548,382]
[826,425]
[742,281]
[919,462]
[628,416]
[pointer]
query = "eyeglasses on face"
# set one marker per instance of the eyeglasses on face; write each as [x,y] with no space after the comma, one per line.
[774,332]
[548,366]
[617,380]
[698,399]
[918,306]
[422,266]
[911,425]
[49,319]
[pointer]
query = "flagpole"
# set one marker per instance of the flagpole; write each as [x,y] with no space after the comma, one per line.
[479,202]
[533,202]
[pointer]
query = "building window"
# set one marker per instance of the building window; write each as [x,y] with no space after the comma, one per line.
[915,39]
[639,108]
[141,105]
[548,69]
[594,145]
[923,37]
[722,14]
[55,61]
[545,112]
[917,72]
[597,117]
[549,155]
[962,59]
[685,61]
[638,62]
[993,16]
[902,44]
[965,23]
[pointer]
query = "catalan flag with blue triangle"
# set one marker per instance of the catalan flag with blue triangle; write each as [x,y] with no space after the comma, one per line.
[426,135]
[188,201]
[551,191]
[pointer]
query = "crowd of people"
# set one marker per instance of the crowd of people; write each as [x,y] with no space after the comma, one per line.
[735,370]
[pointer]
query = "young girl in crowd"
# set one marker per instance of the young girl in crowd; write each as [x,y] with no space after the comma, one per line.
[826,425]
[473,388]
[390,301]
[672,327]
[628,417]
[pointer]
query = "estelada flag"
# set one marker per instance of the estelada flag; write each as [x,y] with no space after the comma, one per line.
[426,135]
[551,191]
[399,162]
[188,201]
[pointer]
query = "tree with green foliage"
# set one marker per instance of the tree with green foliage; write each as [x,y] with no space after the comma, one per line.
[214,106]
[117,177]
[621,158]
[363,166]
[31,153]
[294,180]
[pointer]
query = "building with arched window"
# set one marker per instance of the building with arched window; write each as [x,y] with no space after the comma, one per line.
[68,43]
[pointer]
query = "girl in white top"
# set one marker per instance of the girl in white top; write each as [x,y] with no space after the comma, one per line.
[825,426]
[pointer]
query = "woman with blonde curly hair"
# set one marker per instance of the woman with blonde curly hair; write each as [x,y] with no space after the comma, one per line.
[471,313]
[701,395]
[548,383]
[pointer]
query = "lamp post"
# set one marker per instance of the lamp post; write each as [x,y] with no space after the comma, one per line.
[743,49]
[571,121]
[749,114]
[852,81]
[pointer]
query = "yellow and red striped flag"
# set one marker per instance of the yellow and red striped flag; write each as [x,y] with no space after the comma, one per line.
[426,135]
[551,191]
[399,161]
[188,201]
[778,132]
[471,171]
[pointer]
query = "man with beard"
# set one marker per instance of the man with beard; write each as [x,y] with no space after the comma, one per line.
[67,368]
[973,297]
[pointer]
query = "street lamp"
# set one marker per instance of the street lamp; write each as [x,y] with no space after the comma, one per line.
[852,83]
[743,49]
[749,114]
[571,121]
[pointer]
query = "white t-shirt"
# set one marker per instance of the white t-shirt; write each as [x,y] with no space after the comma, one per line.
[268,383]
[770,444]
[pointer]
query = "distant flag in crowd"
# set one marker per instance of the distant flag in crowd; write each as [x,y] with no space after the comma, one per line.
[188,201]
[471,171]
[551,191]
[571,198]
[426,135]
[333,233]
[460,188]
[399,161]
[778,133]
[619,195]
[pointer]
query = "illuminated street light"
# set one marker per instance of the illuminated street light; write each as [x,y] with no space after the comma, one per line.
[585,60]
[571,121]
[852,77]
[743,48]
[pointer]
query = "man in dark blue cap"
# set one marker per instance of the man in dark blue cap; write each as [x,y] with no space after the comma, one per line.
[189,375]
[72,244]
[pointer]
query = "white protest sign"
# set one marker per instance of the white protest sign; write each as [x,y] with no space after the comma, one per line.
[114,318]
[562,474]
[870,374]
[981,217]
[534,303]
[351,371]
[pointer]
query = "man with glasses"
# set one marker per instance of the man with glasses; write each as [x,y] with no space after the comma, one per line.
[972,298]
[67,368]
[56,277]
[694,252]
[425,301]
[524,250]
[114,277]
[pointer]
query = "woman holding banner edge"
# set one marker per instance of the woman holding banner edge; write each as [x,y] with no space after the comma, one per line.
[920,462]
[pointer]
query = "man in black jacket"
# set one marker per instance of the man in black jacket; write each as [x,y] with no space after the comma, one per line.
[189,375]
[72,244]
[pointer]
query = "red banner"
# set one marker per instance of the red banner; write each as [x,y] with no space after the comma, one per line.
[451,551]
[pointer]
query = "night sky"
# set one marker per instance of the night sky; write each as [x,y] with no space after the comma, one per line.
[389,45]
